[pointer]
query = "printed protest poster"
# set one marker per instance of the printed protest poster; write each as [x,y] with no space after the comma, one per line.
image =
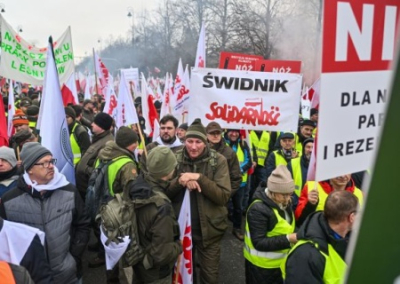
[238,61]
[278,66]
[24,62]
[245,100]
[359,39]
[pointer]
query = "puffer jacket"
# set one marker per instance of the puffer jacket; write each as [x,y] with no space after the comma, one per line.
[127,172]
[233,164]
[209,213]
[60,214]
[157,228]
[86,165]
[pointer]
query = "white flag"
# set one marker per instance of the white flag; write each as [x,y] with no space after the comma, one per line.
[111,101]
[185,263]
[52,122]
[166,104]
[11,108]
[126,111]
[87,88]
[201,49]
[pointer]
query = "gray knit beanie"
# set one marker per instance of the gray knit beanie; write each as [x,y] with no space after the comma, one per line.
[8,154]
[161,162]
[31,153]
[280,180]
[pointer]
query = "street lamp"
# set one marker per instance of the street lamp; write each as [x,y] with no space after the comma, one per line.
[2,7]
[131,15]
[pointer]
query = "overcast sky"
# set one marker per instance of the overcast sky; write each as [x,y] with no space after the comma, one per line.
[90,20]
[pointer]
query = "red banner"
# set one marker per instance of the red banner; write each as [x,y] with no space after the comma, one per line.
[238,61]
[278,66]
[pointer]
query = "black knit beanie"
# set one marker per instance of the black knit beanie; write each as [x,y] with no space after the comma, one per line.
[103,120]
[197,130]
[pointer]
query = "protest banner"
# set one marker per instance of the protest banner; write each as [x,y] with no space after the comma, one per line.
[23,62]
[278,66]
[358,47]
[238,61]
[131,76]
[245,100]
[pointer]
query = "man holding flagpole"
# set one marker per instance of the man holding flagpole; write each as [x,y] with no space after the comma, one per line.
[205,173]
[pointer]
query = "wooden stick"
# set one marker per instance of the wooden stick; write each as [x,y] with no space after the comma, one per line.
[18,158]
[142,139]
[178,267]
[95,72]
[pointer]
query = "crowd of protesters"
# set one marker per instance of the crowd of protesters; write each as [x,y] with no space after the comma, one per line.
[294,230]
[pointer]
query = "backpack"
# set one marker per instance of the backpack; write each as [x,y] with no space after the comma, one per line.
[98,189]
[118,219]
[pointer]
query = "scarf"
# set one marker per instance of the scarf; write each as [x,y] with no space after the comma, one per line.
[176,143]
[58,181]
[8,174]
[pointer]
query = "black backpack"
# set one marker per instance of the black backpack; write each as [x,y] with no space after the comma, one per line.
[98,189]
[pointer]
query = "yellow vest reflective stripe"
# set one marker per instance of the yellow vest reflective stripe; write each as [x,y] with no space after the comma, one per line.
[297,175]
[297,144]
[76,150]
[240,155]
[322,195]
[279,159]
[335,267]
[268,259]
[261,145]
[32,124]
[114,168]
[140,146]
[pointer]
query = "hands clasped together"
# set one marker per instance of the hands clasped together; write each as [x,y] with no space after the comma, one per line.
[189,180]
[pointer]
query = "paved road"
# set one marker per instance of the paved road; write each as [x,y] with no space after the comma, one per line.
[231,265]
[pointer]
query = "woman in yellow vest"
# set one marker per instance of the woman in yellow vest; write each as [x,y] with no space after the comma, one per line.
[314,195]
[319,255]
[270,226]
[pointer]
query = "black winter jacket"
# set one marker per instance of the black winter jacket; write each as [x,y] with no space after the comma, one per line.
[305,265]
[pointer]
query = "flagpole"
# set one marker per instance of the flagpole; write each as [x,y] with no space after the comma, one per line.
[142,139]
[178,268]
[95,72]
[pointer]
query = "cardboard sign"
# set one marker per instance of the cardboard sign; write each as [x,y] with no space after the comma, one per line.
[245,100]
[358,47]
[278,66]
[238,61]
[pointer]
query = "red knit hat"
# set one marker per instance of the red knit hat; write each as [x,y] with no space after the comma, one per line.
[20,118]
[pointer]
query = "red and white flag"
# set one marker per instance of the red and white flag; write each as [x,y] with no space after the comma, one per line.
[3,125]
[178,81]
[184,266]
[111,101]
[88,88]
[102,74]
[166,104]
[126,111]
[11,108]
[68,91]
[315,90]
[149,112]
[201,49]
[182,98]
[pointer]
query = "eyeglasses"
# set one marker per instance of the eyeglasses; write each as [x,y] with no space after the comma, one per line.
[47,164]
